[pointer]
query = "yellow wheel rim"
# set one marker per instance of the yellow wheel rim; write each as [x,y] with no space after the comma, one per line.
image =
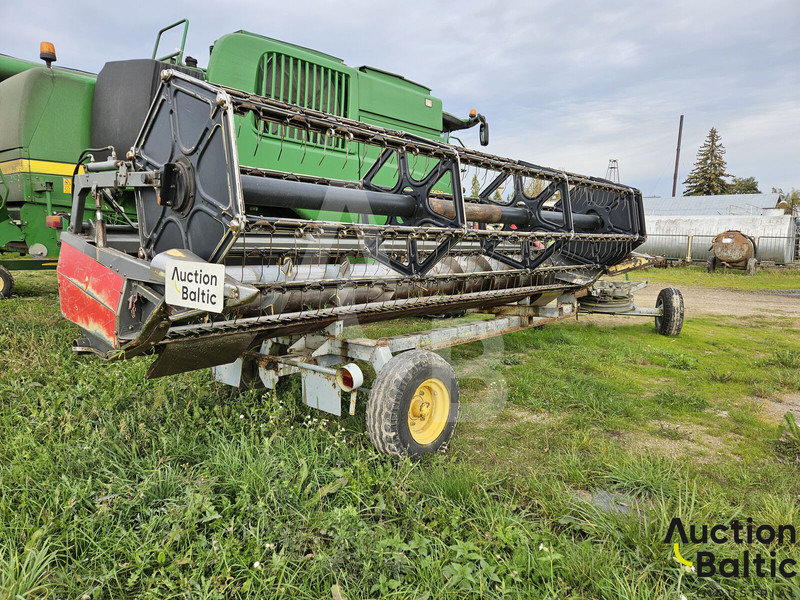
[428,411]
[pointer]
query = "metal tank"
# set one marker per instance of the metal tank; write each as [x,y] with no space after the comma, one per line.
[691,237]
[733,249]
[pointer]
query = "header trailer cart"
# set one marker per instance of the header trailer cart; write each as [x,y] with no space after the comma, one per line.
[240,268]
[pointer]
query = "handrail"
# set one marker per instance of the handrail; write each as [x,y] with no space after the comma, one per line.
[178,53]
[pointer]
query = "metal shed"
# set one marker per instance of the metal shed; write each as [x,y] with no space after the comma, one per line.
[725,204]
[689,237]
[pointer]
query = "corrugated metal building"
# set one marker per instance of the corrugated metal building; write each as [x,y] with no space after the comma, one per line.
[683,227]
[726,204]
[690,236]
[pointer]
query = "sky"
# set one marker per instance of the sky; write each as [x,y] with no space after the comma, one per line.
[563,84]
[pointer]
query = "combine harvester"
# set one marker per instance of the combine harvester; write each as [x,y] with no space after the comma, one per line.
[281,196]
[45,125]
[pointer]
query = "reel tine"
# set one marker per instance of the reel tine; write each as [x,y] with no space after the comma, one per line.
[259,135]
[348,140]
[361,160]
[329,133]
[284,129]
[305,145]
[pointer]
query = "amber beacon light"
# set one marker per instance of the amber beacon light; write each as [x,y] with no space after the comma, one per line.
[47,52]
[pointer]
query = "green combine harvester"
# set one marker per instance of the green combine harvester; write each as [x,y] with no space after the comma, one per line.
[46,124]
[49,114]
[241,216]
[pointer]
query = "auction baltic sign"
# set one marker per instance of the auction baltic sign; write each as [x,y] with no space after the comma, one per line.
[197,285]
[748,534]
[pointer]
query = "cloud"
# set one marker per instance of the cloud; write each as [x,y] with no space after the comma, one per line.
[568,85]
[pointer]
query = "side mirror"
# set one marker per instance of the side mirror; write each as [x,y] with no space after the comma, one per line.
[484,133]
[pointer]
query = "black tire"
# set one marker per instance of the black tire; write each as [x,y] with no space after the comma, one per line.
[711,264]
[751,266]
[6,282]
[670,301]
[397,399]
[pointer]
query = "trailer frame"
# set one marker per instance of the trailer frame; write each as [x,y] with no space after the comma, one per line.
[325,359]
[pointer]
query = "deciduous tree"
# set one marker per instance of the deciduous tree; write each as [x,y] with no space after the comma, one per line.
[744,185]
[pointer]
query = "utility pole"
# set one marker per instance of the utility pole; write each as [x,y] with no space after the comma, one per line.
[677,158]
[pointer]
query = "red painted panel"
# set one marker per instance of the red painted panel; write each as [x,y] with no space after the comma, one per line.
[89,293]
[105,284]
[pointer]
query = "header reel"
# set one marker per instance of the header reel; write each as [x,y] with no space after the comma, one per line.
[302,251]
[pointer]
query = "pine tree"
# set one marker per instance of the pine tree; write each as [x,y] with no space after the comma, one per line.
[476,187]
[707,177]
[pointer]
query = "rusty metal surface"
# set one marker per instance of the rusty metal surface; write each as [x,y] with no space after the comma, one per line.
[733,247]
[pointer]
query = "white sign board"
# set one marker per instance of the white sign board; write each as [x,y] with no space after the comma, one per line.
[198,285]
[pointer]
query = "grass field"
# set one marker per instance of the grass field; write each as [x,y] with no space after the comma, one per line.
[735,279]
[579,444]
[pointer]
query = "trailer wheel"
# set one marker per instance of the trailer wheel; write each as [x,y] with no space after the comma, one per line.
[670,301]
[6,282]
[751,266]
[413,405]
[711,264]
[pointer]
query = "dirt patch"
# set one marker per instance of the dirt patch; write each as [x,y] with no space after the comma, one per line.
[518,415]
[698,300]
[776,409]
[483,415]
[689,440]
